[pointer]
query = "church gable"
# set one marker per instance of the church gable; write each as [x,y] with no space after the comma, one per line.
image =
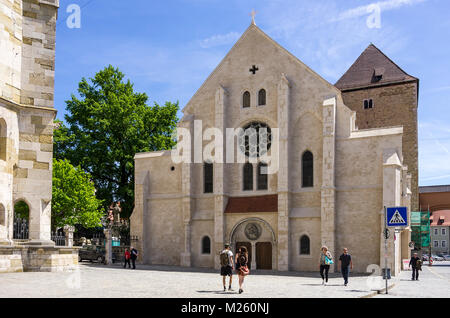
[257,58]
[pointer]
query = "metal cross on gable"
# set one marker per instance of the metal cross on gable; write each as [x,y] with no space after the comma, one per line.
[254,69]
[253,13]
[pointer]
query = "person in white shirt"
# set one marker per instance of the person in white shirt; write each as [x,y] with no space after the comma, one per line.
[226,266]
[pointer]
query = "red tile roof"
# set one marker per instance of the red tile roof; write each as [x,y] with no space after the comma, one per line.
[370,64]
[441,218]
[262,203]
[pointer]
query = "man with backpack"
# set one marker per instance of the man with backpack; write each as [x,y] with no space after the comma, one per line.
[226,266]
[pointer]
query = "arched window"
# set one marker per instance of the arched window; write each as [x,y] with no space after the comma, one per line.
[246,99]
[248,176]
[21,220]
[3,136]
[262,176]
[2,215]
[208,177]
[304,245]
[262,97]
[307,169]
[206,245]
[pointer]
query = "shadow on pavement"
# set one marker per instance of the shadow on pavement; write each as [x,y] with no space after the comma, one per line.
[215,292]
[169,268]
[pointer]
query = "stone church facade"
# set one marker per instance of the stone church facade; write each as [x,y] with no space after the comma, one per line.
[27,71]
[332,182]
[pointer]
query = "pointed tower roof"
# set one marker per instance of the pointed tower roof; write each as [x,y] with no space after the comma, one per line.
[372,68]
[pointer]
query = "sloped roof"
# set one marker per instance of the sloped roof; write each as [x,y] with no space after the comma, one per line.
[262,203]
[441,218]
[372,68]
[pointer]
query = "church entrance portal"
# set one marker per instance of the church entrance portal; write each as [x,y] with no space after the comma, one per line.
[259,239]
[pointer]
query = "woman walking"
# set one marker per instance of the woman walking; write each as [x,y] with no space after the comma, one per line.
[325,261]
[241,266]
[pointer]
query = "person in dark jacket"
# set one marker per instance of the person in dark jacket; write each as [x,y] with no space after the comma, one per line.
[346,264]
[416,264]
[134,255]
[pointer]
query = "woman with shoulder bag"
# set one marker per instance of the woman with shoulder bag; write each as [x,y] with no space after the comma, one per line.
[325,261]
[242,266]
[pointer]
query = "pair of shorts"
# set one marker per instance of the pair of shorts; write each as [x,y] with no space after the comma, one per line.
[226,271]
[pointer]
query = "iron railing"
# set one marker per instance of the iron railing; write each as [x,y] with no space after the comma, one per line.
[20,229]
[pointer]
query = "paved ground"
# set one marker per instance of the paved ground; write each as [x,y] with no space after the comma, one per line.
[94,280]
[433,281]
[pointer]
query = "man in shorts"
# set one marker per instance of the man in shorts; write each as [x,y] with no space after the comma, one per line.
[226,266]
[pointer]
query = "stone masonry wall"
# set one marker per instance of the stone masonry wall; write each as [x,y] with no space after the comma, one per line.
[393,105]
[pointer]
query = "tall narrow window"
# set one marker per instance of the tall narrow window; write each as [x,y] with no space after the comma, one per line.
[3,135]
[307,170]
[2,215]
[304,245]
[262,97]
[206,245]
[248,176]
[246,99]
[262,176]
[368,103]
[208,177]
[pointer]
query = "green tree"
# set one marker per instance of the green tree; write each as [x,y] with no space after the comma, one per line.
[74,201]
[106,127]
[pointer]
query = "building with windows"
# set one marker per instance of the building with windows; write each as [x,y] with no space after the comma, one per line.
[440,228]
[331,181]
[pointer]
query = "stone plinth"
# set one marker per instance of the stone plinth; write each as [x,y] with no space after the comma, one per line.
[29,258]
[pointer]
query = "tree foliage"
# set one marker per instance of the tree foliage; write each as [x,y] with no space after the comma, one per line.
[106,127]
[74,201]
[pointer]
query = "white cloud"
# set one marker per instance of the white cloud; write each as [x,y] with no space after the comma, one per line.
[219,39]
[383,5]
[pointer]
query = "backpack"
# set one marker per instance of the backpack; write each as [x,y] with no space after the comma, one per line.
[224,258]
[242,260]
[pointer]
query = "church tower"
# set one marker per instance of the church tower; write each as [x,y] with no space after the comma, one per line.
[27,72]
[383,95]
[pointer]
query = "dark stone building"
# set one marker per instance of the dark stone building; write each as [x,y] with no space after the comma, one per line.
[383,95]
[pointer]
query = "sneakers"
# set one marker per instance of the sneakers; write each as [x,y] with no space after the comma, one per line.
[345,284]
[323,282]
[240,291]
[229,288]
[224,288]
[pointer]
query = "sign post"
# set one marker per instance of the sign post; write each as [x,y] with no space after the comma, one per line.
[393,217]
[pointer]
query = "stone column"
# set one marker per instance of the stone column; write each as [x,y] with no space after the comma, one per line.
[40,222]
[68,231]
[283,174]
[220,198]
[253,264]
[392,170]
[108,246]
[186,188]
[328,192]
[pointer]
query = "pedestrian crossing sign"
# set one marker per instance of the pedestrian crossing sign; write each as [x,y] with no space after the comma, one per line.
[397,216]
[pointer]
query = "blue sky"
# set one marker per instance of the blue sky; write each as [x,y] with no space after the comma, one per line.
[168,48]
